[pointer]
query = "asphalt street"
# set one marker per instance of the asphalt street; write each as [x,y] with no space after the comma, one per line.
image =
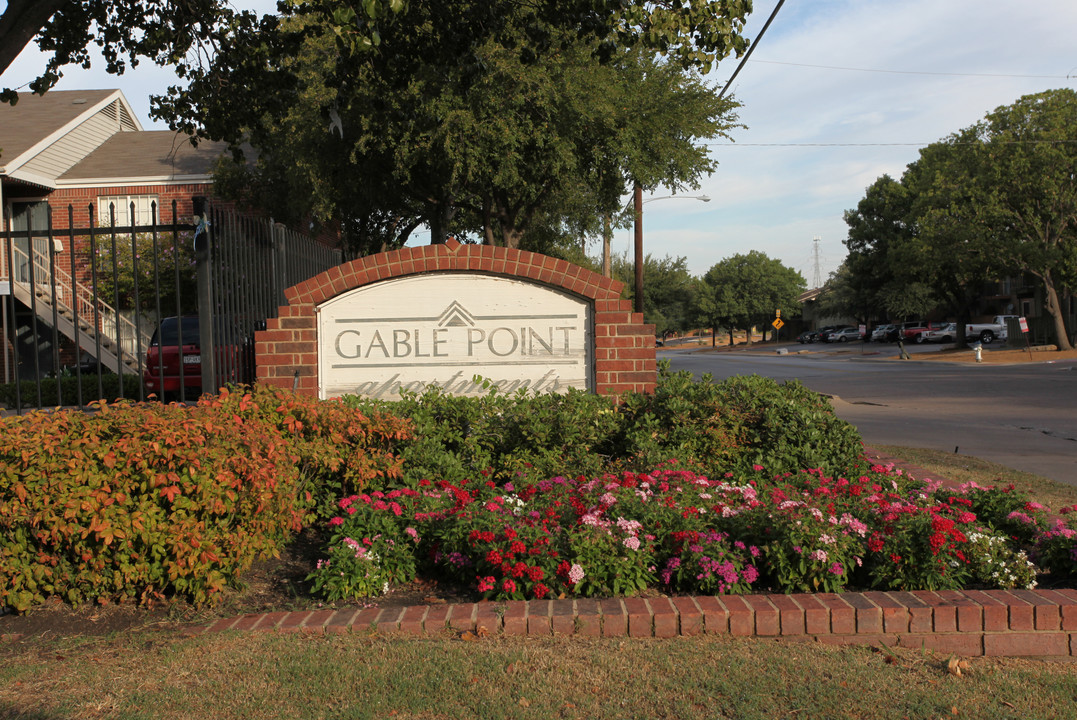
[1023,416]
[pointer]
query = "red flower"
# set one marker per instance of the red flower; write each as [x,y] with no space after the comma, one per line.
[536,573]
[540,591]
[493,557]
[937,540]
[508,585]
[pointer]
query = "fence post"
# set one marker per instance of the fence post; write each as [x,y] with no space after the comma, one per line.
[203,251]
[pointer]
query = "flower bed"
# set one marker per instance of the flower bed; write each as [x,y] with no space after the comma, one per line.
[674,531]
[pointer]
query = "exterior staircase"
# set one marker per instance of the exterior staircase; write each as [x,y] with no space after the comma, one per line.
[76,313]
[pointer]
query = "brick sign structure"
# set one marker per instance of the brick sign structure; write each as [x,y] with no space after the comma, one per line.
[444,314]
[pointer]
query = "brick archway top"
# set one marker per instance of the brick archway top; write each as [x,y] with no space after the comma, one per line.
[624,352]
[456,256]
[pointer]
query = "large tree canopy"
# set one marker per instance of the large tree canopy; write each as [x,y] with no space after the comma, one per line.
[167,31]
[490,140]
[997,198]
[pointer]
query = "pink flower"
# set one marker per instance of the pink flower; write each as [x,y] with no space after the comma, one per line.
[576,574]
[412,532]
[333,522]
[631,542]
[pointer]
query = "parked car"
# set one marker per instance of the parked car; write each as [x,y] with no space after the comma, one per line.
[808,336]
[987,332]
[829,335]
[916,334]
[845,335]
[947,333]
[880,333]
[176,344]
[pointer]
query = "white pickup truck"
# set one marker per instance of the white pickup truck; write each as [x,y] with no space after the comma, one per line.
[987,332]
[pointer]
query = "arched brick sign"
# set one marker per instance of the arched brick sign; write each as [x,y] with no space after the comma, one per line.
[445,313]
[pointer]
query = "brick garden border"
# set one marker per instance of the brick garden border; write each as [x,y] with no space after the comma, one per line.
[998,623]
[286,352]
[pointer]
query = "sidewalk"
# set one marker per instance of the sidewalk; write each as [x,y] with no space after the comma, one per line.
[1011,623]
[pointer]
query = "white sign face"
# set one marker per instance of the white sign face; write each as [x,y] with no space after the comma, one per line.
[446,329]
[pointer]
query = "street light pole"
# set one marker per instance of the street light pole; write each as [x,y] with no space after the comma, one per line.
[637,203]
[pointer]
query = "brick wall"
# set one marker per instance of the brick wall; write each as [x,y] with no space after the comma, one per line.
[80,199]
[287,354]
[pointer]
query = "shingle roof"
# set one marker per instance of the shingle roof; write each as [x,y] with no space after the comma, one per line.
[35,117]
[147,154]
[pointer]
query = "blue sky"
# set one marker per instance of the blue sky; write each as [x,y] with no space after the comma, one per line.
[837,93]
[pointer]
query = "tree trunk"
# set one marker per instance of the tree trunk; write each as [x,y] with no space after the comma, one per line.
[20,22]
[512,237]
[487,224]
[1054,309]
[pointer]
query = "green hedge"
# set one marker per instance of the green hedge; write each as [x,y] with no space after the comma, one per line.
[68,386]
[735,424]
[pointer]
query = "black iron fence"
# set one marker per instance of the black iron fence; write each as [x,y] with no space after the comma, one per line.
[164,310]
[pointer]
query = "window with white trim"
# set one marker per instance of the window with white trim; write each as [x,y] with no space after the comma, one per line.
[143,209]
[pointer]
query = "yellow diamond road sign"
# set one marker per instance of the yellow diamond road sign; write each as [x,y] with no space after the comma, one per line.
[777,323]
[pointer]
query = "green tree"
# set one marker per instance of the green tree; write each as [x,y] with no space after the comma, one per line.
[1024,192]
[871,282]
[997,198]
[745,290]
[668,294]
[489,145]
[847,293]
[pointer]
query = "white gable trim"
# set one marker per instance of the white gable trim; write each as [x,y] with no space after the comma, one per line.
[133,180]
[34,178]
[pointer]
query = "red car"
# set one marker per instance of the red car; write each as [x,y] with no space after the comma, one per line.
[175,353]
[916,333]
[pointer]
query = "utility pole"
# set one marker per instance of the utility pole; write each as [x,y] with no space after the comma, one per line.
[637,200]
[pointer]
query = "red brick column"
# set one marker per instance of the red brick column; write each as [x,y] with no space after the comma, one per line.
[287,355]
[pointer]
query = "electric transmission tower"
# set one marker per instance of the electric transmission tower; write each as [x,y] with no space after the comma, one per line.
[817,273]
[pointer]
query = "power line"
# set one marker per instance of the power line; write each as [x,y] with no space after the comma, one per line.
[751,48]
[892,144]
[918,72]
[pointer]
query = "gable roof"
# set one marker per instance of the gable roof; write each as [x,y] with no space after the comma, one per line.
[148,156]
[37,123]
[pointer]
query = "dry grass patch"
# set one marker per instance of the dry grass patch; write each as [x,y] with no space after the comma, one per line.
[268,676]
